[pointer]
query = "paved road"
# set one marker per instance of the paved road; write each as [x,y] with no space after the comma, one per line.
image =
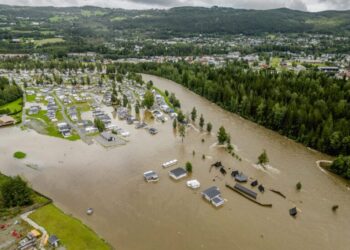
[24,117]
[44,233]
[83,137]
[32,223]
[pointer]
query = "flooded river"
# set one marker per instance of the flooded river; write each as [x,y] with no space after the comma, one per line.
[132,214]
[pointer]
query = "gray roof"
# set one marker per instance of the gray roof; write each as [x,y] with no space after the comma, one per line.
[178,172]
[150,174]
[245,190]
[217,200]
[212,192]
[241,177]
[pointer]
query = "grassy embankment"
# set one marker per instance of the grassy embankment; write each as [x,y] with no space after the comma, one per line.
[15,108]
[166,98]
[51,128]
[73,234]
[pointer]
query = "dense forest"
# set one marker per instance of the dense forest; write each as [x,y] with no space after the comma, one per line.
[8,91]
[341,166]
[181,20]
[89,28]
[309,107]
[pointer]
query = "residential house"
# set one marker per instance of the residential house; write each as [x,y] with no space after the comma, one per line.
[213,195]
[178,173]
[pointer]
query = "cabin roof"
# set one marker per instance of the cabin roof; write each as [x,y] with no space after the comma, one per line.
[178,172]
[211,192]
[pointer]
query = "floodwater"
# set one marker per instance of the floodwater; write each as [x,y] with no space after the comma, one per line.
[132,214]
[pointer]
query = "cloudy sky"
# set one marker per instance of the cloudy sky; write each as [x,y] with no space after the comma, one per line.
[309,5]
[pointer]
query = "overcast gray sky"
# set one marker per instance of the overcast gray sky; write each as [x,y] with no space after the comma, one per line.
[309,5]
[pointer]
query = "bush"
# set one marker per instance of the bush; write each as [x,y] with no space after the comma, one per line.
[19,155]
[222,135]
[263,158]
[189,167]
[15,192]
[335,208]
[298,185]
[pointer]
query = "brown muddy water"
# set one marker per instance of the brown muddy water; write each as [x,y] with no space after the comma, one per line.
[132,214]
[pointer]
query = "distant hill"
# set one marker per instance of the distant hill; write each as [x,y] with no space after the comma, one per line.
[181,21]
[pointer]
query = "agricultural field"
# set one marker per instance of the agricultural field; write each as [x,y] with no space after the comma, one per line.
[48,41]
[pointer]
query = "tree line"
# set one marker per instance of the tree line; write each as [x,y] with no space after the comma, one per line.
[309,107]
[9,92]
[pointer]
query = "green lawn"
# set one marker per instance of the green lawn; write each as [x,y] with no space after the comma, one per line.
[13,106]
[81,107]
[73,234]
[51,128]
[31,98]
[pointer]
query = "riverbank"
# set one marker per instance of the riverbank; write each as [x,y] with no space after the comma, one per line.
[73,234]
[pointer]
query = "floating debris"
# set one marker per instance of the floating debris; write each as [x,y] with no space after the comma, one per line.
[293,211]
[278,192]
[89,211]
[223,171]
[254,183]
[261,188]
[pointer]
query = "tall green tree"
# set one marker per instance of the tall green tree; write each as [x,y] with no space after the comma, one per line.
[148,100]
[182,131]
[263,159]
[194,114]
[201,121]
[209,127]
[99,125]
[222,135]
[15,193]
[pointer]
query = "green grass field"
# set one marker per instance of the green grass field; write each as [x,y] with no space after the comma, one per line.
[118,18]
[48,41]
[57,18]
[73,234]
[51,128]
[47,32]
[31,98]
[13,106]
